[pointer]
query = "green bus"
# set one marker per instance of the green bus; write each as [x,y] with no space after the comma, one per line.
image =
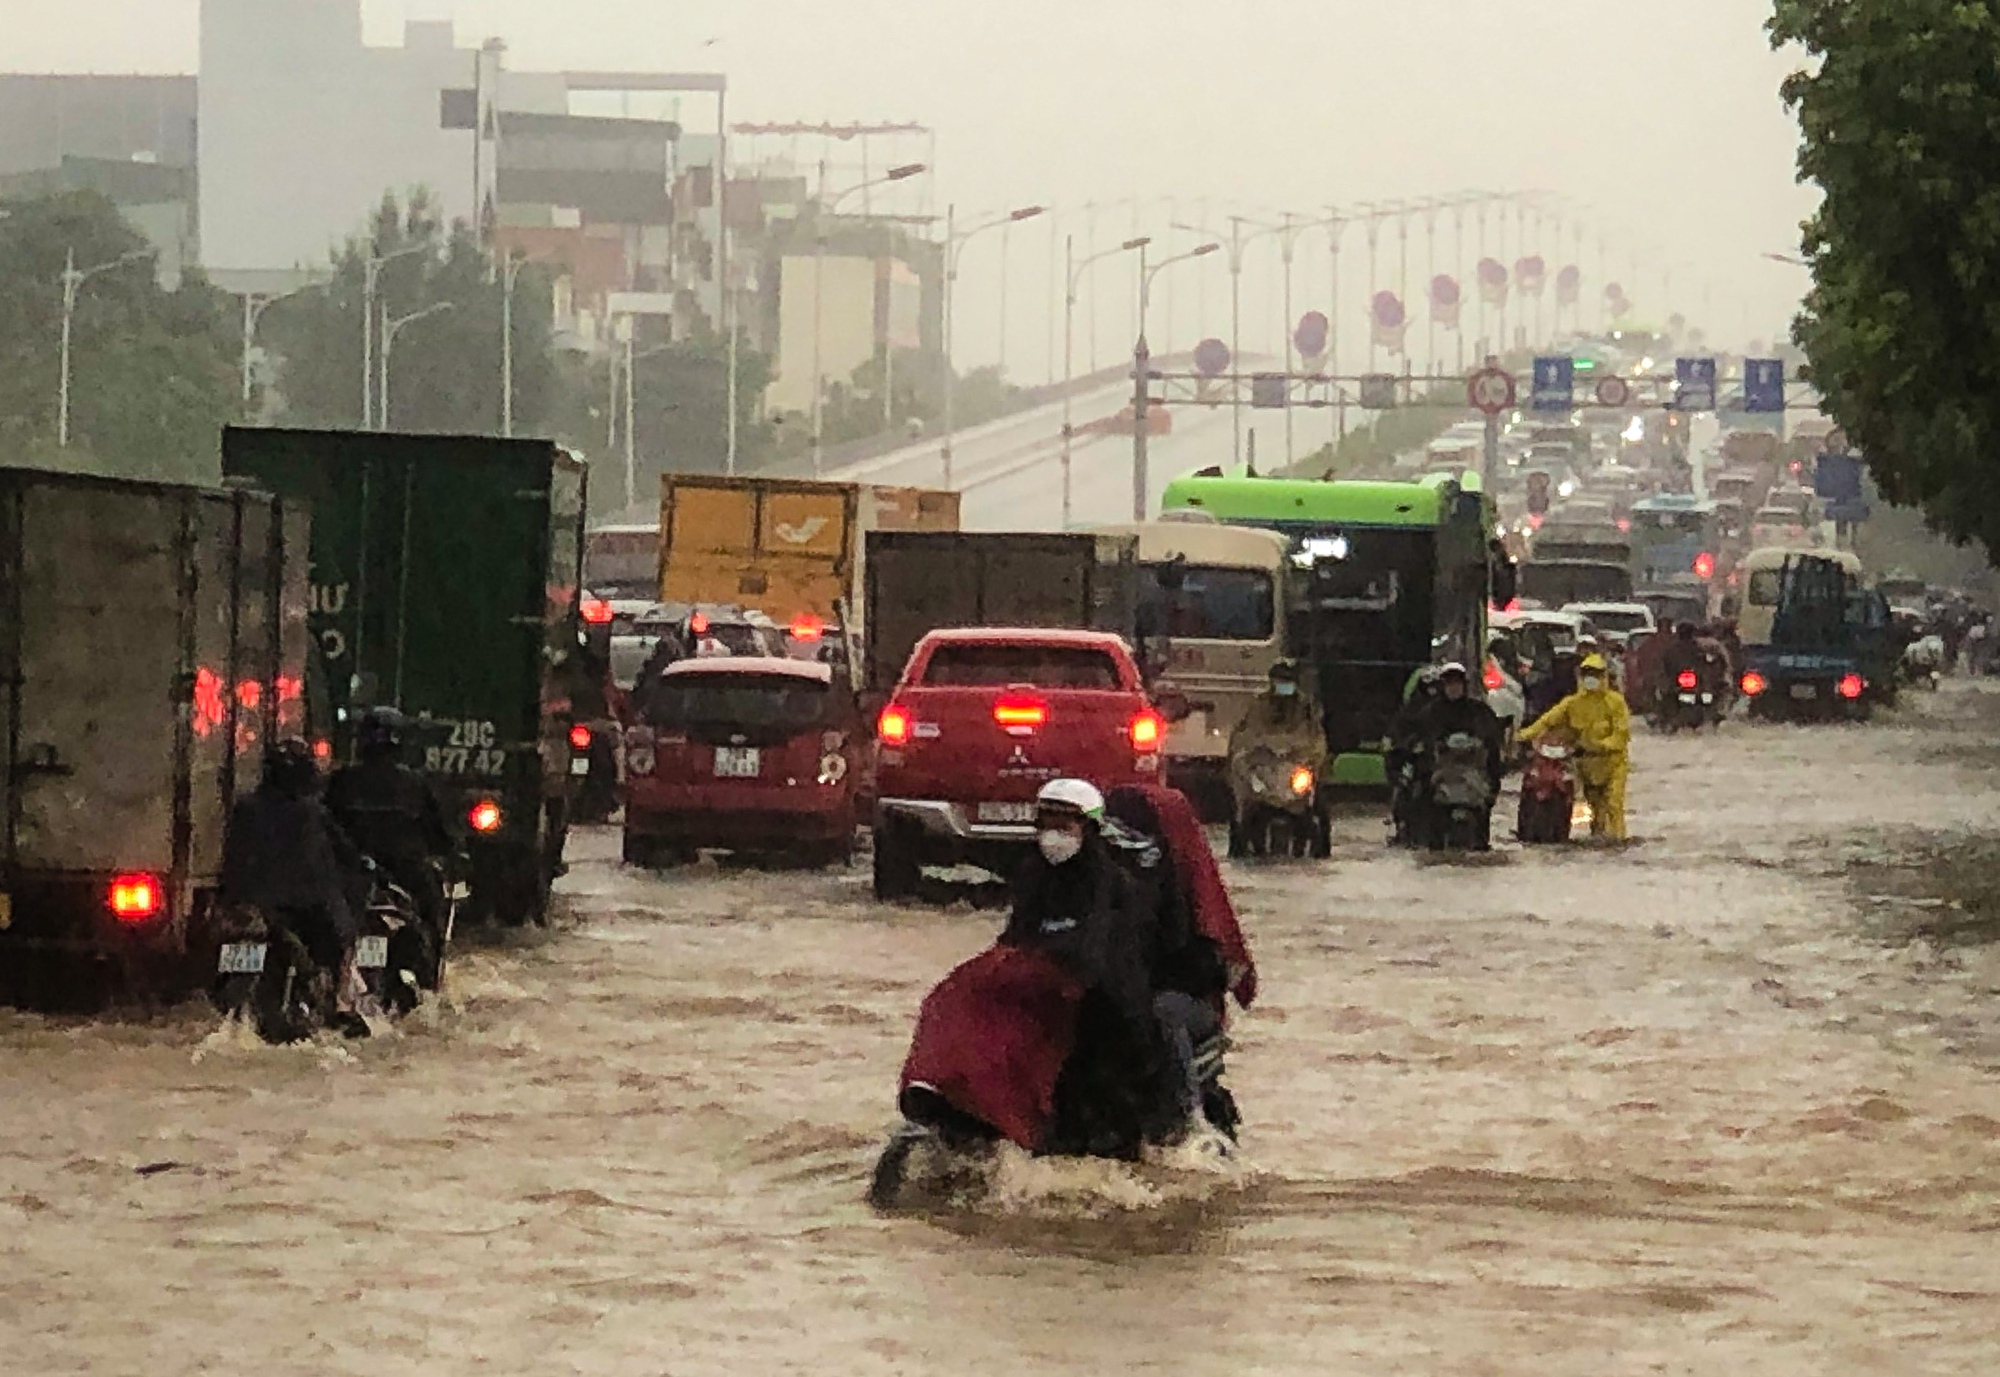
[1388,578]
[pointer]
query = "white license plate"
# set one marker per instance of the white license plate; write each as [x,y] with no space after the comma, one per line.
[579,766]
[738,762]
[1688,698]
[1805,690]
[1006,812]
[371,953]
[242,958]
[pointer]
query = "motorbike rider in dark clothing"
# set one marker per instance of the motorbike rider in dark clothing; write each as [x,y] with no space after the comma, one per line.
[1409,736]
[287,858]
[1076,904]
[392,815]
[1554,686]
[1456,711]
[1683,655]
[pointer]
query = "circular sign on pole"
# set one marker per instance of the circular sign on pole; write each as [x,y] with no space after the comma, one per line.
[1613,392]
[1312,335]
[1211,358]
[1491,390]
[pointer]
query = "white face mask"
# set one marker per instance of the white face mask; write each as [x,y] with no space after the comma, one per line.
[1593,683]
[1059,848]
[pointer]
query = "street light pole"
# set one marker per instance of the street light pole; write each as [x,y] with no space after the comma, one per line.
[512,275]
[822,216]
[1142,376]
[371,281]
[390,330]
[72,283]
[1074,275]
[254,306]
[955,244]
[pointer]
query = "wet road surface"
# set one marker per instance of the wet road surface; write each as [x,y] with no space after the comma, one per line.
[1684,1109]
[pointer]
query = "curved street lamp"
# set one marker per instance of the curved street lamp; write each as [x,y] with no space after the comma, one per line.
[954,248]
[1076,271]
[893,175]
[390,330]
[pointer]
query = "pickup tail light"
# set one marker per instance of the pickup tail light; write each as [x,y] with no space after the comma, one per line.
[136,898]
[1018,713]
[893,727]
[1147,730]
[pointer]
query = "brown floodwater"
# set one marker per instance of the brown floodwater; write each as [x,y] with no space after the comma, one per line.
[1717,1104]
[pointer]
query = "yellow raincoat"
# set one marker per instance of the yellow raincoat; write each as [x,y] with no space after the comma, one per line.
[1601,723]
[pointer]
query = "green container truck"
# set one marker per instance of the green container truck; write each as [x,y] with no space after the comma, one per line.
[446,579]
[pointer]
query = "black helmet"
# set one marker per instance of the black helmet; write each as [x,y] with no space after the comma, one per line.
[381,732]
[1285,672]
[290,768]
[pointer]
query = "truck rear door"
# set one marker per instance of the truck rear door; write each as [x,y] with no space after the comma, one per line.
[785,549]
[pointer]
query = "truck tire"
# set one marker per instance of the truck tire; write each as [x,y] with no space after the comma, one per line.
[897,872]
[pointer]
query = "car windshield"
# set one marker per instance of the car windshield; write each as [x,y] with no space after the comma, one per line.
[1765,585]
[1044,666]
[760,702]
[1621,621]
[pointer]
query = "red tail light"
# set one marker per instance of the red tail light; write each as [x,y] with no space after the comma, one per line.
[136,898]
[1689,680]
[698,623]
[893,726]
[1147,729]
[1026,713]
[1704,565]
[597,611]
[1495,680]
[485,817]
[807,628]
[579,738]
[1625,523]
[1754,684]
[322,751]
[1850,686]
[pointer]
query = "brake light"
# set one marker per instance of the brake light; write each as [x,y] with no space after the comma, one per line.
[893,727]
[1689,680]
[322,750]
[1493,678]
[807,628]
[597,611]
[698,624]
[1014,713]
[1850,686]
[1147,729]
[485,817]
[1302,781]
[1625,523]
[1754,684]
[136,898]
[579,737]
[1704,565]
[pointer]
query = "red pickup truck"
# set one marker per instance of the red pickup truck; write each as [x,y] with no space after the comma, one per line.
[980,721]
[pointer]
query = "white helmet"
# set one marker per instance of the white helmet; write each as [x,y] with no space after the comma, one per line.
[1071,796]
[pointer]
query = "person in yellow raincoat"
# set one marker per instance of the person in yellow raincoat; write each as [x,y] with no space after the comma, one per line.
[1597,717]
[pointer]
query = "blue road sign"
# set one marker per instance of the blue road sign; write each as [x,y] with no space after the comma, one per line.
[1763,384]
[1696,391]
[1555,385]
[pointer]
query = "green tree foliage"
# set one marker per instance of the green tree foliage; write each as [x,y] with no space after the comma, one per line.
[1901,123]
[153,374]
[445,373]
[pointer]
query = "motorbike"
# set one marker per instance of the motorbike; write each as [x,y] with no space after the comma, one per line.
[266,975]
[1548,795]
[1461,795]
[1284,814]
[1689,704]
[999,1055]
[596,784]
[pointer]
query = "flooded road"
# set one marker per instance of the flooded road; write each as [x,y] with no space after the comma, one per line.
[1684,1109]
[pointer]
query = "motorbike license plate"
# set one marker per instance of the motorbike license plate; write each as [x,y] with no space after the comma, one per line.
[1805,690]
[737,762]
[242,958]
[1688,698]
[1007,812]
[580,766]
[371,953]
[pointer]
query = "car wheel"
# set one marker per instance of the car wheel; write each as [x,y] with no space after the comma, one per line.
[897,873]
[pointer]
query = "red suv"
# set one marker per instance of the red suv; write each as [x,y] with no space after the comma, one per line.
[982,719]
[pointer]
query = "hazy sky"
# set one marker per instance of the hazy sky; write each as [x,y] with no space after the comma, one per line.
[1661,117]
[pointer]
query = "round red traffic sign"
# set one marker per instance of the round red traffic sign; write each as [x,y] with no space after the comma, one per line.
[1491,390]
[1613,392]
